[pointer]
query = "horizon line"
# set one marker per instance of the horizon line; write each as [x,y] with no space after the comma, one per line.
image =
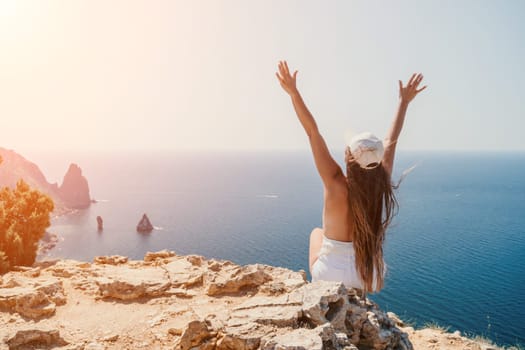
[245,150]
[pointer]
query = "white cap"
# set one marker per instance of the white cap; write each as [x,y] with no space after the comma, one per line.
[367,150]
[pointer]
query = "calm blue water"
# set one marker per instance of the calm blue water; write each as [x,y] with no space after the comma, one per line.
[456,251]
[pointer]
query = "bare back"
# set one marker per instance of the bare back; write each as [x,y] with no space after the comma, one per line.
[336,221]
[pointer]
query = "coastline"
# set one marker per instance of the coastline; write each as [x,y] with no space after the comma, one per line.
[50,239]
[446,202]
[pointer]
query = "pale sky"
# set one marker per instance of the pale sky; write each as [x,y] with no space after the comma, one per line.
[176,75]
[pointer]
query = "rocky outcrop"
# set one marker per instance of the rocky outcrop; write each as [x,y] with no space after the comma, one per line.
[163,254]
[74,190]
[31,338]
[144,225]
[187,302]
[72,194]
[31,297]
[111,260]
[131,283]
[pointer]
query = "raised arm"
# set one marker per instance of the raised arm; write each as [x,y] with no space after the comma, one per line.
[406,95]
[326,165]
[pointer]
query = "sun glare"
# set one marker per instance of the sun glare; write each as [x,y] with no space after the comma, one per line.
[8,9]
[11,19]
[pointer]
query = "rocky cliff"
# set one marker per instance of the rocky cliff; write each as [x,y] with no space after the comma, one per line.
[187,302]
[72,194]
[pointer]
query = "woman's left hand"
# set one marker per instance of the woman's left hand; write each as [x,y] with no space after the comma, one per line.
[408,92]
[288,81]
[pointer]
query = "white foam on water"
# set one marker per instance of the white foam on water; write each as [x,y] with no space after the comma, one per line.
[267,196]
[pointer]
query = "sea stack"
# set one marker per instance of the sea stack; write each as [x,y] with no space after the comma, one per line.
[144,225]
[75,190]
[100,223]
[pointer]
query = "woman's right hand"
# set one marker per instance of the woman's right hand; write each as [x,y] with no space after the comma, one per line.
[287,81]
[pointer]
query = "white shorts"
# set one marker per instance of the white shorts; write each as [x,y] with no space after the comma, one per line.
[336,262]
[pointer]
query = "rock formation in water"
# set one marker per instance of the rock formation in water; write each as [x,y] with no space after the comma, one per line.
[72,194]
[74,190]
[144,225]
[187,302]
[100,223]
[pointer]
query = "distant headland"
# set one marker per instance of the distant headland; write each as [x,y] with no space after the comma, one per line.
[72,194]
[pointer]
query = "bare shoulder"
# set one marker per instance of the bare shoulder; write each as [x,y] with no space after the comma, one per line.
[337,187]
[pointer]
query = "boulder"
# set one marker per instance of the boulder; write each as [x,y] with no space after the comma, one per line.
[32,298]
[195,333]
[111,260]
[35,338]
[236,279]
[127,283]
[296,339]
[242,337]
[163,254]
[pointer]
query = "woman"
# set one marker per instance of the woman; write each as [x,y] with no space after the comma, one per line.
[357,207]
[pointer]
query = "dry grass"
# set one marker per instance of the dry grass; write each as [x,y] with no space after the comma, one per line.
[436,326]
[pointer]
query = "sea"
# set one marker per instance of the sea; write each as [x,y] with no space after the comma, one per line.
[455,251]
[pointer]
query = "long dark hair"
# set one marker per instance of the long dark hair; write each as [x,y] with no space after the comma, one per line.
[372,205]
